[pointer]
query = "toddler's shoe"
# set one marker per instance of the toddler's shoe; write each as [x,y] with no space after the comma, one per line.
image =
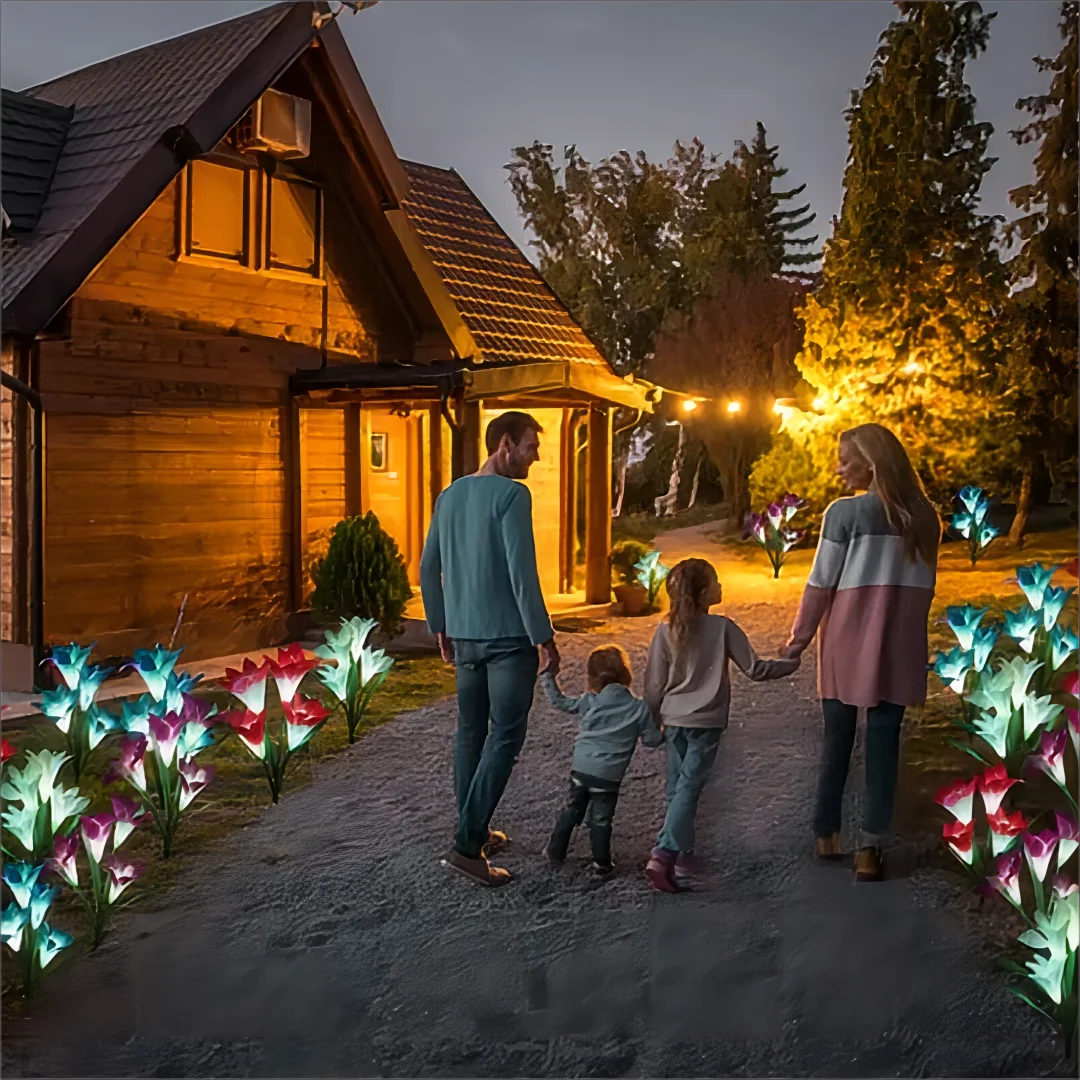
[603,871]
[660,870]
[686,867]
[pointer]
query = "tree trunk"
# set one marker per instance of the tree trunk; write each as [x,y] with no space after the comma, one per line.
[620,484]
[697,477]
[1023,505]
[665,505]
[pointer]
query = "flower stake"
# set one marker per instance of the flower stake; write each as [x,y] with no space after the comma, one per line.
[971,523]
[274,744]
[770,529]
[651,573]
[358,672]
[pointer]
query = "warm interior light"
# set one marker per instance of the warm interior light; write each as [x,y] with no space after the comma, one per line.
[818,403]
[689,405]
[733,406]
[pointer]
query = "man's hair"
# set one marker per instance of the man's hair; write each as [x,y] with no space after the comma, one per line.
[608,664]
[514,424]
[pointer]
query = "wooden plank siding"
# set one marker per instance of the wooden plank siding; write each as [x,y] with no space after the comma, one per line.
[168,448]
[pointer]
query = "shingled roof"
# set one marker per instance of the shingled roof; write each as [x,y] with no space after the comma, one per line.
[509,309]
[34,133]
[123,107]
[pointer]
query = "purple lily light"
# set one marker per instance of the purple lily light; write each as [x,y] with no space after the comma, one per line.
[1068,833]
[770,529]
[193,779]
[122,872]
[1050,756]
[1039,850]
[128,815]
[62,863]
[96,830]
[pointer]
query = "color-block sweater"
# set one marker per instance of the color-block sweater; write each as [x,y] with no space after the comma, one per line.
[869,607]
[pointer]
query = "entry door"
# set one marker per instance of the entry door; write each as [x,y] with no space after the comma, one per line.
[389,449]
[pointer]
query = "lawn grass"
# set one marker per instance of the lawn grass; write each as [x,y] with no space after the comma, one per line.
[239,791]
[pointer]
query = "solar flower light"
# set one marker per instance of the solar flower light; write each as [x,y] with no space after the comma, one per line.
[970,521]
[651,573]
[109,874]
[165,728]
[23,929]
[1018,686]
[37,805]
[771,529]
[358,670]
[71,707]
[274,743]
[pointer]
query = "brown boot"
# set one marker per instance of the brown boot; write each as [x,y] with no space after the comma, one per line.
[867,864]
[828,848]
[496,841]
[478,870]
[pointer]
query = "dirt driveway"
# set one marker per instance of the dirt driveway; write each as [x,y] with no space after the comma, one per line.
[325,939]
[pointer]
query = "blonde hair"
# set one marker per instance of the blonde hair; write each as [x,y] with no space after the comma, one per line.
[608,664]
[688,587]
[896,483]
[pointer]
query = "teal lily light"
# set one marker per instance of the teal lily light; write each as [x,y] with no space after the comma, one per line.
[71,706]
[983,641]
[1034,581]
[952,668]
[358,670]
[155,666]
[970,521]
[1063,643]
[38,807]
[964,623]
[651,573]
[1053,601]
[23,929]
[273,742]
[160,765]
[1022,626]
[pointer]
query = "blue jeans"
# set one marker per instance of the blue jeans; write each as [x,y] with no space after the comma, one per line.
[495,681]
[690,756]
[882,760]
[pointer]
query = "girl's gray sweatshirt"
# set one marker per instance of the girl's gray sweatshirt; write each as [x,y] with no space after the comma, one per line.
[612,721]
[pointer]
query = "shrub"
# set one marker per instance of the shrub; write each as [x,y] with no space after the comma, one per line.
[624,557]
[362,575]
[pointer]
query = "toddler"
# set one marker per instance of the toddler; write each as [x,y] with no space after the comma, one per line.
[612,721]
[688,691]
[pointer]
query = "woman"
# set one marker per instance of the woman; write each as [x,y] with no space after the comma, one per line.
[869,594]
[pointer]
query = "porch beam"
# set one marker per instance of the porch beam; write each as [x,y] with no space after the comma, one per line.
[353,452]
[598,508]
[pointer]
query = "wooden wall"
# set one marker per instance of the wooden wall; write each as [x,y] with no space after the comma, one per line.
[7,597]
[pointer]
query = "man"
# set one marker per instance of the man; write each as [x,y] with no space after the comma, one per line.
[483,602]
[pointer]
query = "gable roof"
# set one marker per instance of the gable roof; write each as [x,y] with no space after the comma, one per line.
[34,135]
[512,313]
[136,118]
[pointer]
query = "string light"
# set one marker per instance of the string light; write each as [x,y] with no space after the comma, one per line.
[689,405]
[733,406]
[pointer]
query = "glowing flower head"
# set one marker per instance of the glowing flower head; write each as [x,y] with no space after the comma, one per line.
[21,878]
[1039,850]
[974,499]
[155,665]
[65,848]
[1063,643]
[993,784]
[51,942]
[1022,627]
[1006,876]
[1070,684]
[993,727]
[775,513]
[303,717]
[96,830]
[131,764]
[135,715]
[58,705]
[128,815]
[963,523]
[1038,712]
[289,669]
[373,662]
[164,735]
[249,684]
[952,668]
[958,836]
[964,621]
[336,678]
[651,572]
[13,922]
[791,537]
[99,723]
[1019,673]
[1072,724]
[92,678]
[7,751]
[1004,829]
[958,798]
[791,505]
[250,727]
[40,901]
[1034,581]
[122,872]
[1068,835]
[193,778]
[1053,601]
[1052,936]
[983,641]
[986,533]
[70,662]
[754,526]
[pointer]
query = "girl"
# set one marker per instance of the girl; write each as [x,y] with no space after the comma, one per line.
[612,721]
[869,591]
[688,691]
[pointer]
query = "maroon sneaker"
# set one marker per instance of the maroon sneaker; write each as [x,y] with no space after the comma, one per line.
[660,870]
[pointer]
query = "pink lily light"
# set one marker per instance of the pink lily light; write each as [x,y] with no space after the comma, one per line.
[1050,756]
[993,784]
[959,836]
[289,669]
[249,684]
[958,798]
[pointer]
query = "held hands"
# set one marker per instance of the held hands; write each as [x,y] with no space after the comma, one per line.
[549,658]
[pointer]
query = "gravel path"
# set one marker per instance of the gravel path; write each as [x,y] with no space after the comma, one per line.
[326,940]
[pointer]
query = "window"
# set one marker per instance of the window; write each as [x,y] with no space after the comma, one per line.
[378,452]
[293,226]
[217,211]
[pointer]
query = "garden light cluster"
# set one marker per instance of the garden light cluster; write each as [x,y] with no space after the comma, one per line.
[770,529]
[971,523]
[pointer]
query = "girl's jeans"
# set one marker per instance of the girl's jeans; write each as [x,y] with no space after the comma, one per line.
[690,756]
[882,758]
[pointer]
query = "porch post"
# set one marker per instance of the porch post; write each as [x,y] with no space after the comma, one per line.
[435,453]
[471,454]
[598,508]
[353,452]
[297,506]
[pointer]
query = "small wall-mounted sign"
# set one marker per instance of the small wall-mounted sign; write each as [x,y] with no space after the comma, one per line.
[391,475]
[378,451]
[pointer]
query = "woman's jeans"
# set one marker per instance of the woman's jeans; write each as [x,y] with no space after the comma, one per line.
[882,759]
[690,756]
[495,681]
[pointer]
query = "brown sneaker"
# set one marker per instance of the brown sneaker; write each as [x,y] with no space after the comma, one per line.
[828,848]
[478,870]
[867,864]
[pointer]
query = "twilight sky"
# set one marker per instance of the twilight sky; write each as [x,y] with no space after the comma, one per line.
[460,82]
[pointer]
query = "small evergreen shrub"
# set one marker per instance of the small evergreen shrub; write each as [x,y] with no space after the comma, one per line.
[362,575]
[624,556]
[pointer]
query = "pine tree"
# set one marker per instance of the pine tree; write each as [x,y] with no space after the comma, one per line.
[1038,383]
[902,331]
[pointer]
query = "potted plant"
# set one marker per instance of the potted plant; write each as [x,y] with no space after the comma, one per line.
[629,591]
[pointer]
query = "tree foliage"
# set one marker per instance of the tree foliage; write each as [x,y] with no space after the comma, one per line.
[904,330]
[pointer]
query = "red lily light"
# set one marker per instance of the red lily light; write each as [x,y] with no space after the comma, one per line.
[959,836]
[303,717]
[993,784]
[958,798]
[249,684]
[250,727]
[289,669]
[6,751]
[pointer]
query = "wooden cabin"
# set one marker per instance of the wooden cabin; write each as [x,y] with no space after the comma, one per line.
[232,316]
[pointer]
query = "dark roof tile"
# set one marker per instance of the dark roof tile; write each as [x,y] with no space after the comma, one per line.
[34,133]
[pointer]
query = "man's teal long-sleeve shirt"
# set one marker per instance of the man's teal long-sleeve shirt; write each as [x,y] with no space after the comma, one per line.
[478,572]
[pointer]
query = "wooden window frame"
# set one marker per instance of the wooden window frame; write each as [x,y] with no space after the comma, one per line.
[287,176]
[185,202]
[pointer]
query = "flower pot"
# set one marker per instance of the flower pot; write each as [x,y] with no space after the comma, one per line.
[632,598]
